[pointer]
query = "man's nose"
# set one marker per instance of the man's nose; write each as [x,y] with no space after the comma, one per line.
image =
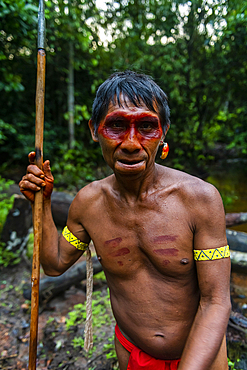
[131,142]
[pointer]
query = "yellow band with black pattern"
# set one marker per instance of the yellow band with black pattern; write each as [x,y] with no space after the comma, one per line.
[211,254]
[72,239]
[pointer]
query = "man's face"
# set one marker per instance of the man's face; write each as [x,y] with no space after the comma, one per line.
[129,138]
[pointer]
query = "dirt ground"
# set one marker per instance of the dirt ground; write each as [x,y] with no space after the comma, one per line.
[55,346]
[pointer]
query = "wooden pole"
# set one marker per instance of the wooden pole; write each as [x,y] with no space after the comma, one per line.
[38,202]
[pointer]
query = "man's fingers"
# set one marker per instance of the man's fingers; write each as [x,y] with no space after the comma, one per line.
[30,178]
[47,170]
[35,170]
[36,179]
[28,194]
[31,157]
[25,184]
[29,188]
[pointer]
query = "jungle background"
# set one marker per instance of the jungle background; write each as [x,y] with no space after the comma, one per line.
[195,51]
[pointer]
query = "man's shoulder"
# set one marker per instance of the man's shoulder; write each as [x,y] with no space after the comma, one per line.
[94,190]
[190,186]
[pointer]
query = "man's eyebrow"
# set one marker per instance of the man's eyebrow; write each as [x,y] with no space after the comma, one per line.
[149,118]
[115,114]
[114,118]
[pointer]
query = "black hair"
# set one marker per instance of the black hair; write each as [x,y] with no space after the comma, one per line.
[138,89]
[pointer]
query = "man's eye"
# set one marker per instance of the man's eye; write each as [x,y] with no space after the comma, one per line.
[117,125]
[146,126]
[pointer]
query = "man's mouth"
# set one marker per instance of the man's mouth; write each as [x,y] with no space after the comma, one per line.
[128,162]
[130,165]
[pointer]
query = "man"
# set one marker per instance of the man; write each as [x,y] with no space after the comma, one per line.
[148,224]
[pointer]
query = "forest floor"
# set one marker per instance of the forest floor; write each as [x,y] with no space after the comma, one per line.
[57,346]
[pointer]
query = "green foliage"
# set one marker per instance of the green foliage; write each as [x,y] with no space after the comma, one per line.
[196,51]
[231,364]
[100,276]
[100,305]
[18,33]
[76,166]
[227,191]
[110,348]
[187,49]
[6,202]
[7,257]
[236,355]
[29,246]
[101,319]
[4,128]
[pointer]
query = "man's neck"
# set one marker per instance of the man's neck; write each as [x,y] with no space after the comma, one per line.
[136,187]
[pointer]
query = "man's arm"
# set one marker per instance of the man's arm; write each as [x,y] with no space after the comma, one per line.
[56,254]
[204,349]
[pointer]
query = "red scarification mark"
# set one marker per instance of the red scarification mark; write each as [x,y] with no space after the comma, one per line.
[112,243]
[120,263]
[166,262]
[120,252]
[165,238]
[167,252]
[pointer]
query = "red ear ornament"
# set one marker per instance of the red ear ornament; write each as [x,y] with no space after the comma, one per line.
[165,151]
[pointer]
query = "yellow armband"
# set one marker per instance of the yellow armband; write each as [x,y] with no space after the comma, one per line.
[72,239]
[211,254]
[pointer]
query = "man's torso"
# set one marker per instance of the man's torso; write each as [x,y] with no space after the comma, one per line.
[146,250]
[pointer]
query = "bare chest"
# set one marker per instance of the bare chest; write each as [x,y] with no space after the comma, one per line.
[128,241]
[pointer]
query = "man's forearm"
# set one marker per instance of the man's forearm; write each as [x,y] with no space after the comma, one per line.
[205,337]
[49,251]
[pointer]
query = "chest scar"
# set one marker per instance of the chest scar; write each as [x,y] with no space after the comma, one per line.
[166,252]
[165,238]
[112,243]
[120,252]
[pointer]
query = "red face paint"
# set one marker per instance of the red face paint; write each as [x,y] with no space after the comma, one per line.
[120,125]
[129,138]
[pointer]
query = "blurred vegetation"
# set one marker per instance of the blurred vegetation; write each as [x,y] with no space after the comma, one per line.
[6,256]
[6,202]
[196,51]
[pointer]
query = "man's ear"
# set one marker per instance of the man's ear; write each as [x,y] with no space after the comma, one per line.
[167,128]
[164,134]
[93,131]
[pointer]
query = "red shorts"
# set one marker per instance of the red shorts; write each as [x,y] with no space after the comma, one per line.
[140,360]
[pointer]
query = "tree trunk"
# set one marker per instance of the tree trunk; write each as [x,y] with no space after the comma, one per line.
[237,240]
[233,219]
[239,261]
[71,99]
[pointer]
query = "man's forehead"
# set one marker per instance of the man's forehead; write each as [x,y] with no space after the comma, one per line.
[127,106]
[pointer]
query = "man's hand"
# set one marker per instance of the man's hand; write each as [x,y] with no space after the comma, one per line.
[35,179]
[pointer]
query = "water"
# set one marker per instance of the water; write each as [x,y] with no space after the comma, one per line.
[231,181]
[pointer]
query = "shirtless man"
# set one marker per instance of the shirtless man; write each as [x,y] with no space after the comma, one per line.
[155,230]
